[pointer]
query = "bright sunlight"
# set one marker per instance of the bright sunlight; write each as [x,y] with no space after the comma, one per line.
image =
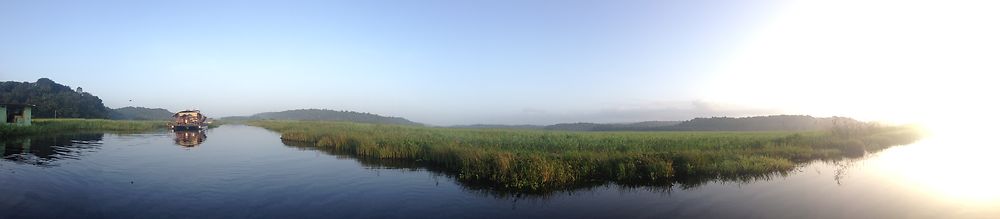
[836,58]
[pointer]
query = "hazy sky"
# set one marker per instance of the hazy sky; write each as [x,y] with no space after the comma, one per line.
[514,62]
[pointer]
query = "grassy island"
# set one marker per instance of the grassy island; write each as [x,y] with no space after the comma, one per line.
[539,161]
[41,126]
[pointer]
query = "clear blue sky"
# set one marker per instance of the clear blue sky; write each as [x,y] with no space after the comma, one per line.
[438,62]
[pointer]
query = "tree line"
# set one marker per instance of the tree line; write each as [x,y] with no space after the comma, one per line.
[53,100]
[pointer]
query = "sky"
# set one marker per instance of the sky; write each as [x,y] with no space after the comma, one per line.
[517,62]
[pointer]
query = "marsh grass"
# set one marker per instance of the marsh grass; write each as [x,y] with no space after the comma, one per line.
[44,126]
[536,161]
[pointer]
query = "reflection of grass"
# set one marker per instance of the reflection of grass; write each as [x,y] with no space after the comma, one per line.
[45,150]
[40,126]
[539,161]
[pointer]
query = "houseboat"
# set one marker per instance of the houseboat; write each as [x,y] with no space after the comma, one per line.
[189,120]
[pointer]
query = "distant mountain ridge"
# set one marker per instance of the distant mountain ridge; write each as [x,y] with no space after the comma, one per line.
[54,100]
[326,115]
[638,126]
[581,126]
[495,126]
[764,123]
[754,123]
[141,113]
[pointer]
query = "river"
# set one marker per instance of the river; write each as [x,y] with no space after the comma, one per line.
[237,171]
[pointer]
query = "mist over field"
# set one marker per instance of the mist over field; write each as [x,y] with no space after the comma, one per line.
[520,62]
[499,109]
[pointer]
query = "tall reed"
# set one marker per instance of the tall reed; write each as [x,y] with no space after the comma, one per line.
[537,161]
[40,126]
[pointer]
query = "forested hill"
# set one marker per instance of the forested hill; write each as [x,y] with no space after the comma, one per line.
[52,99]
[326,115]
[757,123]
[638,126]
[496,126]
[141,113]
[763,123]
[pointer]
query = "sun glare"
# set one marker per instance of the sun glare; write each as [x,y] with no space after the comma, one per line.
[952,165]
[890,62]
[885,61]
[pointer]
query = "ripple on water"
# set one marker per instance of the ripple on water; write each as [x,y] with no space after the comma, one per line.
[241,171]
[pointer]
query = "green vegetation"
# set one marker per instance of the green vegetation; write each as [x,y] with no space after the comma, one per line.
[536,161]
[80,125]
[53,100]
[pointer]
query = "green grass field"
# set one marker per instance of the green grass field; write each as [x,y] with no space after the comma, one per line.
[534,161]
[41,126]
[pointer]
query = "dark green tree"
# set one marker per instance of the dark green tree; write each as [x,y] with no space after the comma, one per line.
[53,100]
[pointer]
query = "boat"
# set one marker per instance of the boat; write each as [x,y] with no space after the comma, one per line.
[189,120]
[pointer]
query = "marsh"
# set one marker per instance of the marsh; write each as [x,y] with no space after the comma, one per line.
[245,171]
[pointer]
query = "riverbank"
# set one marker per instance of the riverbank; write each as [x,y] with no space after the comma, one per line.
[535,161]
[81,125]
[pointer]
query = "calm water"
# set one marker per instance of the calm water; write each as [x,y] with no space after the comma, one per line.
[247,172]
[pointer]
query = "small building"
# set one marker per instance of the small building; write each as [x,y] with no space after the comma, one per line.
[18,114]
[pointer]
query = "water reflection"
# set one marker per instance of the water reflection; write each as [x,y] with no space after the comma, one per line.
[956,166]
[189,138]
[249,173]
[46,150]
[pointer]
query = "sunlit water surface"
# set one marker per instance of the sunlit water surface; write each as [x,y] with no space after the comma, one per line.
[246,172]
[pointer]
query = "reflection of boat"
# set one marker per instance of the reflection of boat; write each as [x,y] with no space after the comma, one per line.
[189,138]
[189,120]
